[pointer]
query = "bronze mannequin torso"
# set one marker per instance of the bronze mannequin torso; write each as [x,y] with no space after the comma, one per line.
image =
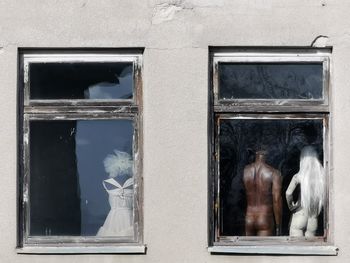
[264,204]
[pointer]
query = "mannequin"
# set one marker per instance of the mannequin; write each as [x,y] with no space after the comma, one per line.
[263,186]
[119,221]
[312,189]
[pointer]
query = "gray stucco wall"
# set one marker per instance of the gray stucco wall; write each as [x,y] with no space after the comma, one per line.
[176,36]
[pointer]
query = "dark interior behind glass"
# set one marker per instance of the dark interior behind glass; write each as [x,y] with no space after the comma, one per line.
[66,173]
[283,140]
[270,81]
[88,80]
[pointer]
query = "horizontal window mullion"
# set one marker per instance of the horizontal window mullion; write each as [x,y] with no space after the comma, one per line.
[109,110]
[271,116]
[80,116]
[81,102]
[269,109]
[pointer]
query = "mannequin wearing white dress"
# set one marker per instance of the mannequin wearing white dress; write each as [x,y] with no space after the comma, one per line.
[119,221]
[311,199]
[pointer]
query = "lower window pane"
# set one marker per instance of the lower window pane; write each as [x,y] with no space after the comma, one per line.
[81,178]
[247,203]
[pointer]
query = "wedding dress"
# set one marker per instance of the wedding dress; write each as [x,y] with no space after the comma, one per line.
[119,221]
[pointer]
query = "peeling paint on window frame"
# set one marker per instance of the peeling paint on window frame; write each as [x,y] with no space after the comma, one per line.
[267,109]
[115,109]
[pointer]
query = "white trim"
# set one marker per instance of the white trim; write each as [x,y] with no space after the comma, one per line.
[296,58]
[283,250]
[273,52]
[135,249]
[80,57]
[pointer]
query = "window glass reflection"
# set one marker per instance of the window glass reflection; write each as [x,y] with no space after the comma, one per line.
[270,81]
[89,80]
[280,143]
[81,174]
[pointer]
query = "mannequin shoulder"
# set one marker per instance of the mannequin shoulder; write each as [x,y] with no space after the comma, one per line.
[296,177]
[294,181]
[248,168]
[272,170]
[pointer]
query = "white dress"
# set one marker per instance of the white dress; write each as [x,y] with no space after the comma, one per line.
[119,221]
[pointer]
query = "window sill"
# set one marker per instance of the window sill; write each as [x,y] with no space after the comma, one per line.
[281,250]
[136,249]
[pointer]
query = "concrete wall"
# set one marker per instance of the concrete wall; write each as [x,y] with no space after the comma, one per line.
[176,36]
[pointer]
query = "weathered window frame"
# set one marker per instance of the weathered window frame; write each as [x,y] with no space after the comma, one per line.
[78,109]
[267,109]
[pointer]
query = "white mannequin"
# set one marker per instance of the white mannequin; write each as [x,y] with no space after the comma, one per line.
[311,199]
[119,221]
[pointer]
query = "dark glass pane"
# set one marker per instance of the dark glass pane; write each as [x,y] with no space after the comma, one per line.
[89,80]
[282,142]
[67,170]
[270,81]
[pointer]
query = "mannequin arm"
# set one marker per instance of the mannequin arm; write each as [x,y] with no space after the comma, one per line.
[289,194]
[277,200]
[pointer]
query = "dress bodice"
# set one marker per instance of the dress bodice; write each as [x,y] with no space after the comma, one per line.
[120,197]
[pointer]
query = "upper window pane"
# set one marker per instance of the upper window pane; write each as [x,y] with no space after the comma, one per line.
[298,81]
[76,80]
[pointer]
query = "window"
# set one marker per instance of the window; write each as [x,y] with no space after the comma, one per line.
[80,152]
[269,178]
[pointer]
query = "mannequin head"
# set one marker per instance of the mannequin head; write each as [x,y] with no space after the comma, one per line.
[312,181]
[118,164]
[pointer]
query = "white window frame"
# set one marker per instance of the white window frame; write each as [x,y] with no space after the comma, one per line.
[267,109]
[78,109]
